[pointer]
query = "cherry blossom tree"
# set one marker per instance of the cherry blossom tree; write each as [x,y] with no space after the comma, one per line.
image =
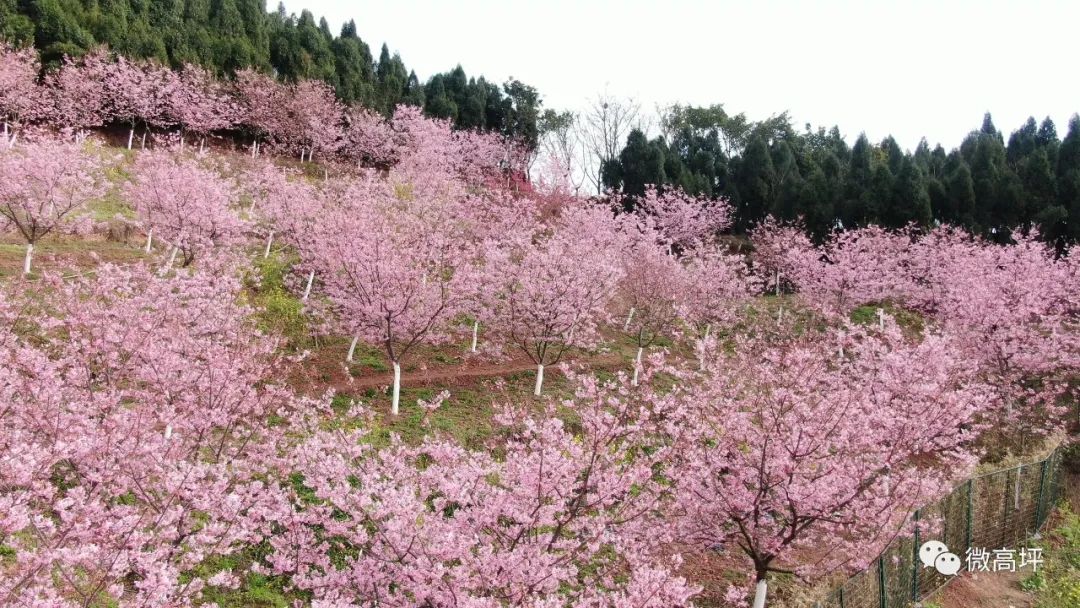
[392,273]
[1010,308]
[541,297]
[21,99]
[184,204]
[42,186]
[798,449]
[283,206]
[262,102]
[778,248]
[134,440]
[138,92]
[652,289]
[313,119]
[200,104]
[718,284]
[77,93]
[368,139]
[682,220]
[561,517]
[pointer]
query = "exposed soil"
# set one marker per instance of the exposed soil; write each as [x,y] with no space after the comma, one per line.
[985,590]
[327,370]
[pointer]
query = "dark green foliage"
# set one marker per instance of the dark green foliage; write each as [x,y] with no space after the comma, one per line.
[227,35]
[767,168]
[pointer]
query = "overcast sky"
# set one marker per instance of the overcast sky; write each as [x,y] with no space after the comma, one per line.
[910,68]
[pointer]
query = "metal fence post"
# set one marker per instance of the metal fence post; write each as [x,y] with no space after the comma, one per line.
[915,562]
[970,510]
[883,600]
[1039,501]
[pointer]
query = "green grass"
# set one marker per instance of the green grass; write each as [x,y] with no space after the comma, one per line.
[255,591]
[910,322]
[279,311]
[1057,582]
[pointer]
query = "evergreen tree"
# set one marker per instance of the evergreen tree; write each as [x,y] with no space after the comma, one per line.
[756,182]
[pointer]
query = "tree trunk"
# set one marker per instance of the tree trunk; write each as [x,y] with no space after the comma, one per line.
[131,136]
[395,402]
[701,357]
[352,349]
[629,317]
[539,379]
[637,365]
[143,144]
[475,328]
[777,282]
[172,260]
[181,142]
[307,288]
[168,431]
[26,260]
[269,242]
[881,319]
[149,240]
[759,594]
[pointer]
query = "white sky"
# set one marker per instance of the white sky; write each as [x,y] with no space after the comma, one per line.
[910,68]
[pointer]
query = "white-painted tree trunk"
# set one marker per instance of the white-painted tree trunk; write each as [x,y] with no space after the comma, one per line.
[629,317]
[759,594]
[181,142]
[168,431]
[701,355]
[637,365]
[396,401]
[131,136]
[475,330]
[202,145]
[301,155]
[149,240]
[881,319]
[269,242]
[780,315]
[254,147]
[172,258]
[26,260]
[143,144]
[352,349]
[539,379]
[307,288]
[325,174]
[777,282]
[14,138]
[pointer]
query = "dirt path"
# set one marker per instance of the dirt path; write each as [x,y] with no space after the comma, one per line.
[331,373]
[457,375]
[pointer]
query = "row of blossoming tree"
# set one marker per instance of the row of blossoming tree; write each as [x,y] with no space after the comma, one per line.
[147,445]
[302,118]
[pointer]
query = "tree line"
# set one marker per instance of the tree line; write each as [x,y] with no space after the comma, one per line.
[988,185]
[226,36]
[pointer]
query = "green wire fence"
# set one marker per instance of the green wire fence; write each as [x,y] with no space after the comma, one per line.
[996,510]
